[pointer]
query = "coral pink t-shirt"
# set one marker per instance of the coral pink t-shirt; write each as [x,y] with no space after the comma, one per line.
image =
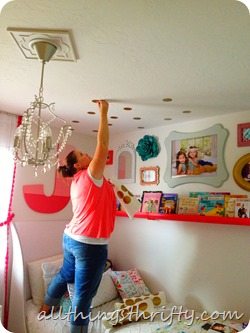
[94,207]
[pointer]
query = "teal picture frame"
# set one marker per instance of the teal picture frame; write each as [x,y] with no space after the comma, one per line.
[215,138]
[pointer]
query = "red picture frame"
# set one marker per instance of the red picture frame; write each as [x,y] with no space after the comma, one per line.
[243,135]
[110,157]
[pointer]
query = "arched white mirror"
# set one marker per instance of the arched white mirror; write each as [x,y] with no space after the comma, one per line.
[125,163]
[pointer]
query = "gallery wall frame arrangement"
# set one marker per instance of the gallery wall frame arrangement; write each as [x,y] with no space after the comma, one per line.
[202,157]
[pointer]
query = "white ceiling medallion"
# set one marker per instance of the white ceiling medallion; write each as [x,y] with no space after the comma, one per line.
[247,3]
[25,39]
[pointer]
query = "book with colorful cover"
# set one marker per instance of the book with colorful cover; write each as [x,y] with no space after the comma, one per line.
[230,201]
[198,194]
[204,194]
[168,203]
[220,193]
[212,205]
[242,207]
[188,205]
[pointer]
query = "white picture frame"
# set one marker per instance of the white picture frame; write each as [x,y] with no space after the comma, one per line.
[176,141]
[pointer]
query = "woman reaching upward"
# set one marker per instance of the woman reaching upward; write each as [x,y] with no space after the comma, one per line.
[86,237]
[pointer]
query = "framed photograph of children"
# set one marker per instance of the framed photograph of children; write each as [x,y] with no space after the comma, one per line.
[196,157]
[151,201]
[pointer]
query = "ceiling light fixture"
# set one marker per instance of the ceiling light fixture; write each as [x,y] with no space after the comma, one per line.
[33,143]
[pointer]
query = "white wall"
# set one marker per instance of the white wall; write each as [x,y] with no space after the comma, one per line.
[204,266]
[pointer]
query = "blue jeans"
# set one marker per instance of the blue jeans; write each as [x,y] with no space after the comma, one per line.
[83,264]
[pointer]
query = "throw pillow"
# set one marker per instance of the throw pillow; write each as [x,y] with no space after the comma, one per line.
[36,278]
[50,269]
[129,283]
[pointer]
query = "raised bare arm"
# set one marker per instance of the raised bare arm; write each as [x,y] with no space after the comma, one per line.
[99,160]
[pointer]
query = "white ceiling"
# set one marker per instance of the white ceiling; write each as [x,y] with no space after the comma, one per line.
[133,53]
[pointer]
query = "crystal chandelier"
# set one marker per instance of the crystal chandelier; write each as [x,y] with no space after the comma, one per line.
[33,140]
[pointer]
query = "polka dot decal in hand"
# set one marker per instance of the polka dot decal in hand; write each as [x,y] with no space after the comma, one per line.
[128,201]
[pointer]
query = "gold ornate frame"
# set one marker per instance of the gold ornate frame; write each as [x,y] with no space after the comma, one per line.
[148,172]
[237,172]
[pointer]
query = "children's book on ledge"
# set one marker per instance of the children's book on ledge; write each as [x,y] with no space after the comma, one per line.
[242,208]
[211,205]
[230,201]
[188,205]
[168,203]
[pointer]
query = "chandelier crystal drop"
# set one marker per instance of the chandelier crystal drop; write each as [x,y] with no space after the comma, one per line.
[33,140]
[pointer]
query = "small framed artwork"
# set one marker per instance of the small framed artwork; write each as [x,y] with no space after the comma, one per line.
[243,135]
[110,157]
[149,175]
[241,172]
[151,201]
[196,157]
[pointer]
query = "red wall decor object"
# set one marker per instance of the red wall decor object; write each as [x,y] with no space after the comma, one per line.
[189,218]
[41,203]
[243,134]
[110,157]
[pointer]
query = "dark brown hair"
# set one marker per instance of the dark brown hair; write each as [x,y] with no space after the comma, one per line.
[181,152]
[68,170]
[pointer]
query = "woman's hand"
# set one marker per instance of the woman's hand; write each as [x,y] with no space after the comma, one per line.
[99,160]
[103,105]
